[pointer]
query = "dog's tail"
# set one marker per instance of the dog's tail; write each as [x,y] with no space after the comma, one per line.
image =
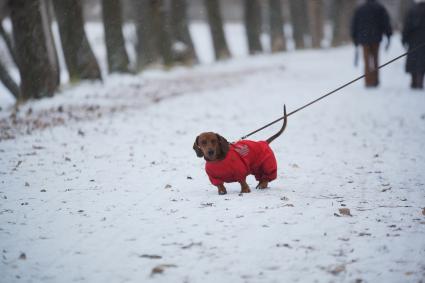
[285,122]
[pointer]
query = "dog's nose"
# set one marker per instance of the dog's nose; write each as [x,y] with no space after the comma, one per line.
[210,152]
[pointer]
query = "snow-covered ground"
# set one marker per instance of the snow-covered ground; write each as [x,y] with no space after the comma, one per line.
[121,197]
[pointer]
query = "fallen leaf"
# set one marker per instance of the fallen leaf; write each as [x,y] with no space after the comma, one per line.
[191,245]
[336,269]
[386,189]
[207,204]
[284,245]
[17,165]
[344,239]
[37,147]
[151,256]
[345,211]
[157,270]
[160,268]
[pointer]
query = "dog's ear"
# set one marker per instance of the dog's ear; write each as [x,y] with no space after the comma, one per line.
[196,148]
[224,145]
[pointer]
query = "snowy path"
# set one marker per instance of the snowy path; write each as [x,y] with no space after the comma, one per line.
[111,199]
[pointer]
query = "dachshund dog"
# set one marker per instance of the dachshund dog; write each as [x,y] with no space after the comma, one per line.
[233,162]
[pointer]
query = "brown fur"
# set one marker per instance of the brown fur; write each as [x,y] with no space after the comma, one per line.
[211,146]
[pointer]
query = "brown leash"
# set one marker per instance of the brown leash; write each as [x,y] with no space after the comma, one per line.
[333,91]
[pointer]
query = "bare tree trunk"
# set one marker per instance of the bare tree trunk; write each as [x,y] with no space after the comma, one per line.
[9,43]
[215,21]
[184,51]
[114,38]
[299,22]
[316,20]
[8,82]
[162,29]
[79,57]
[343,13]
[37,76]
[146,50]
[45,6]
[253,25]
[277,37]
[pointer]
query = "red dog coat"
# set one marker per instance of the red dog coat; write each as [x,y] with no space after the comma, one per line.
[243,158]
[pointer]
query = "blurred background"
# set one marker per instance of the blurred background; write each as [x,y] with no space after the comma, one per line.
[47,43]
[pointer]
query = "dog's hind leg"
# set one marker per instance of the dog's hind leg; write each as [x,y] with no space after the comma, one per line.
[267,173]
[262,185]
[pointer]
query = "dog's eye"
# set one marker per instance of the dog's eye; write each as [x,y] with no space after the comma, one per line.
[204,142]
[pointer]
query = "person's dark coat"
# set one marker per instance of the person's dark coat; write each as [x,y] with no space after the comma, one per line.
[370,22]
[413,35]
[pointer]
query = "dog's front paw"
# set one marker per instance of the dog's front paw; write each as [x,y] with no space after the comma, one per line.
[221,190]
[245,190]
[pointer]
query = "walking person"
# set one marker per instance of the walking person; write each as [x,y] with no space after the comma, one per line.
[413,35]
[370,22]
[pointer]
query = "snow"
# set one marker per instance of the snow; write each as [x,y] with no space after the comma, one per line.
[123,197]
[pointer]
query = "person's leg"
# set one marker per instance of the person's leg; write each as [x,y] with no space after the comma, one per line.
[417,81]
[414,83]
[420,80]
[375,62]
[366,59]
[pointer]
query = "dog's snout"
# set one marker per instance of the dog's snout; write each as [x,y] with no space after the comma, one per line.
[210,152]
